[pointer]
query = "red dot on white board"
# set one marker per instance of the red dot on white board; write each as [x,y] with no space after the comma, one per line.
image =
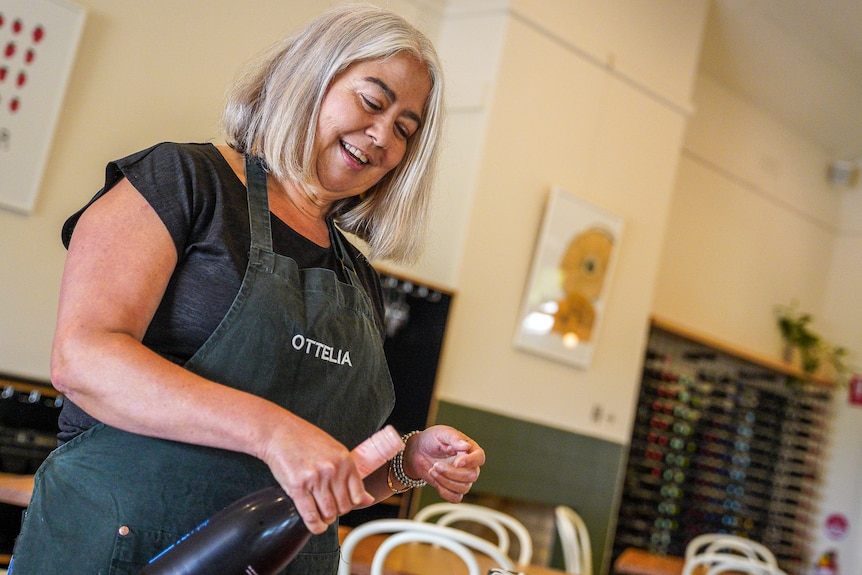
[22,79]
[14,105]
[17,26]
[3,72]
[38,34]
[10,50]
[29,56]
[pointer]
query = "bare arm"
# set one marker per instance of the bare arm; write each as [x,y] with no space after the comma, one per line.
[120,260]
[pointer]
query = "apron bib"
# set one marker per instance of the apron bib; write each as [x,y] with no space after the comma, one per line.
[108,501]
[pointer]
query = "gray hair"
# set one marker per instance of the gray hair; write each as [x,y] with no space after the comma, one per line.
[272,112]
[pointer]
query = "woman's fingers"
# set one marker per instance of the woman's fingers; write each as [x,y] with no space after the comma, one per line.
[457,481]
[306,506]
[327,493]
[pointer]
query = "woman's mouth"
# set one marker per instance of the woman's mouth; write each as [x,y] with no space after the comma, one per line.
[355,152]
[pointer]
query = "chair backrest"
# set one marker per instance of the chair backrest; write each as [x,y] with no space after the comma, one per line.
[575,541]
[399,526]
[500,523]
[734,566]
[733,545]
[720,563]
[418,536]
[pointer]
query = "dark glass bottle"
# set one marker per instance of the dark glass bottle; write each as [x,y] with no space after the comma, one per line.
[262,532]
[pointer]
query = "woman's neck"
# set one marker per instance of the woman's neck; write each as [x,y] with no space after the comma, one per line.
[289,203]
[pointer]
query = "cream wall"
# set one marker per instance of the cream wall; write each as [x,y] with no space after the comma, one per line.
[754,223]
[469,37]
[593,117]
[843,313]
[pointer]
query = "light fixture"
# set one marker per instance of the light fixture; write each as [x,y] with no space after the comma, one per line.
[842,173]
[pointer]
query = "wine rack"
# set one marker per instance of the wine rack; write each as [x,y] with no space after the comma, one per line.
[28,433]
[721,444]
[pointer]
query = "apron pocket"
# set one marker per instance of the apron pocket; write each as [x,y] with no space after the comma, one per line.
[135,546]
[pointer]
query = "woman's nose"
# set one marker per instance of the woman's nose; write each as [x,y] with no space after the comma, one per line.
[380,131]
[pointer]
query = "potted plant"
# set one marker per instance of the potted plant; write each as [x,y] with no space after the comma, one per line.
[794,327]
[814,352]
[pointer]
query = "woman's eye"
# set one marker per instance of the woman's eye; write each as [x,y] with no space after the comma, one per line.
[402,131]
[370,103]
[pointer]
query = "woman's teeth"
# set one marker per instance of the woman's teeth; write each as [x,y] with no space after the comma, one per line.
[355,152]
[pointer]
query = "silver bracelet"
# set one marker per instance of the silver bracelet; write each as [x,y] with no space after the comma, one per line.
[398,466]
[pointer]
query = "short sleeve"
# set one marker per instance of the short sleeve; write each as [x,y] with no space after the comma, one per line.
[170,177]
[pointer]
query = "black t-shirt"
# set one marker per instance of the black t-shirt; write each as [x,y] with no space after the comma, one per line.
[205,209]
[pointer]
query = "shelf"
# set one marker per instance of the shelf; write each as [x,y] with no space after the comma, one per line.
[738,352]
[28,385]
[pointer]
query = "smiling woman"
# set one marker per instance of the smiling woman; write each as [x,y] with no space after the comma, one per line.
[246,343]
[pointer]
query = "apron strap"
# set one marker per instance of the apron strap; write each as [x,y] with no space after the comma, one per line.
[258,204]
[261,224]
[341,252]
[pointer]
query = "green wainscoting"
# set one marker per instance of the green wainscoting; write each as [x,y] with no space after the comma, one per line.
[540,464]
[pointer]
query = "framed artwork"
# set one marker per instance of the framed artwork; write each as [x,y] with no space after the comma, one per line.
[566,292]
[38,40]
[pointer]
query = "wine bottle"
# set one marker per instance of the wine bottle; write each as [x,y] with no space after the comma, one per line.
[262,532]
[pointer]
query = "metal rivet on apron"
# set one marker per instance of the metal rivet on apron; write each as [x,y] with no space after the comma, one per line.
[124,530]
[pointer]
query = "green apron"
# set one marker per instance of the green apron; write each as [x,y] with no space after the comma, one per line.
[108,500]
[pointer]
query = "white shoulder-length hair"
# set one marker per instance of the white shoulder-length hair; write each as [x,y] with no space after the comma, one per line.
[272,111]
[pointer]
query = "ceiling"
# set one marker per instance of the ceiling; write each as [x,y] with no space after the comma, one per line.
[799,59]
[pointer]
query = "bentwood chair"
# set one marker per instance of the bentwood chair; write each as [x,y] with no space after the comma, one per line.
[411,536]
[502,524]
[734,545]
[724,563]
[718,553]
[404,531]
[575,541]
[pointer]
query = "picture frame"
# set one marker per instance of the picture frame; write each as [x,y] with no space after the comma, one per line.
[38,42]
[566,292]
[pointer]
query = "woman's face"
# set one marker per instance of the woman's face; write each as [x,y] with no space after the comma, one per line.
[367,116]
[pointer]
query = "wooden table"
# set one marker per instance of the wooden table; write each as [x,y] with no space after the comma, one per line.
[634,561]
[16,489]
[421,559]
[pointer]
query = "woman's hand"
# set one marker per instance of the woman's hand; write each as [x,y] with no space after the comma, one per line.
[316,471]
[446,458]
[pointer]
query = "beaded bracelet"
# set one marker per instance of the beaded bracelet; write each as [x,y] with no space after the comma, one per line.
[395,490]
[396,464]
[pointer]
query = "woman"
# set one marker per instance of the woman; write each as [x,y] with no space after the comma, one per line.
[217,333]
